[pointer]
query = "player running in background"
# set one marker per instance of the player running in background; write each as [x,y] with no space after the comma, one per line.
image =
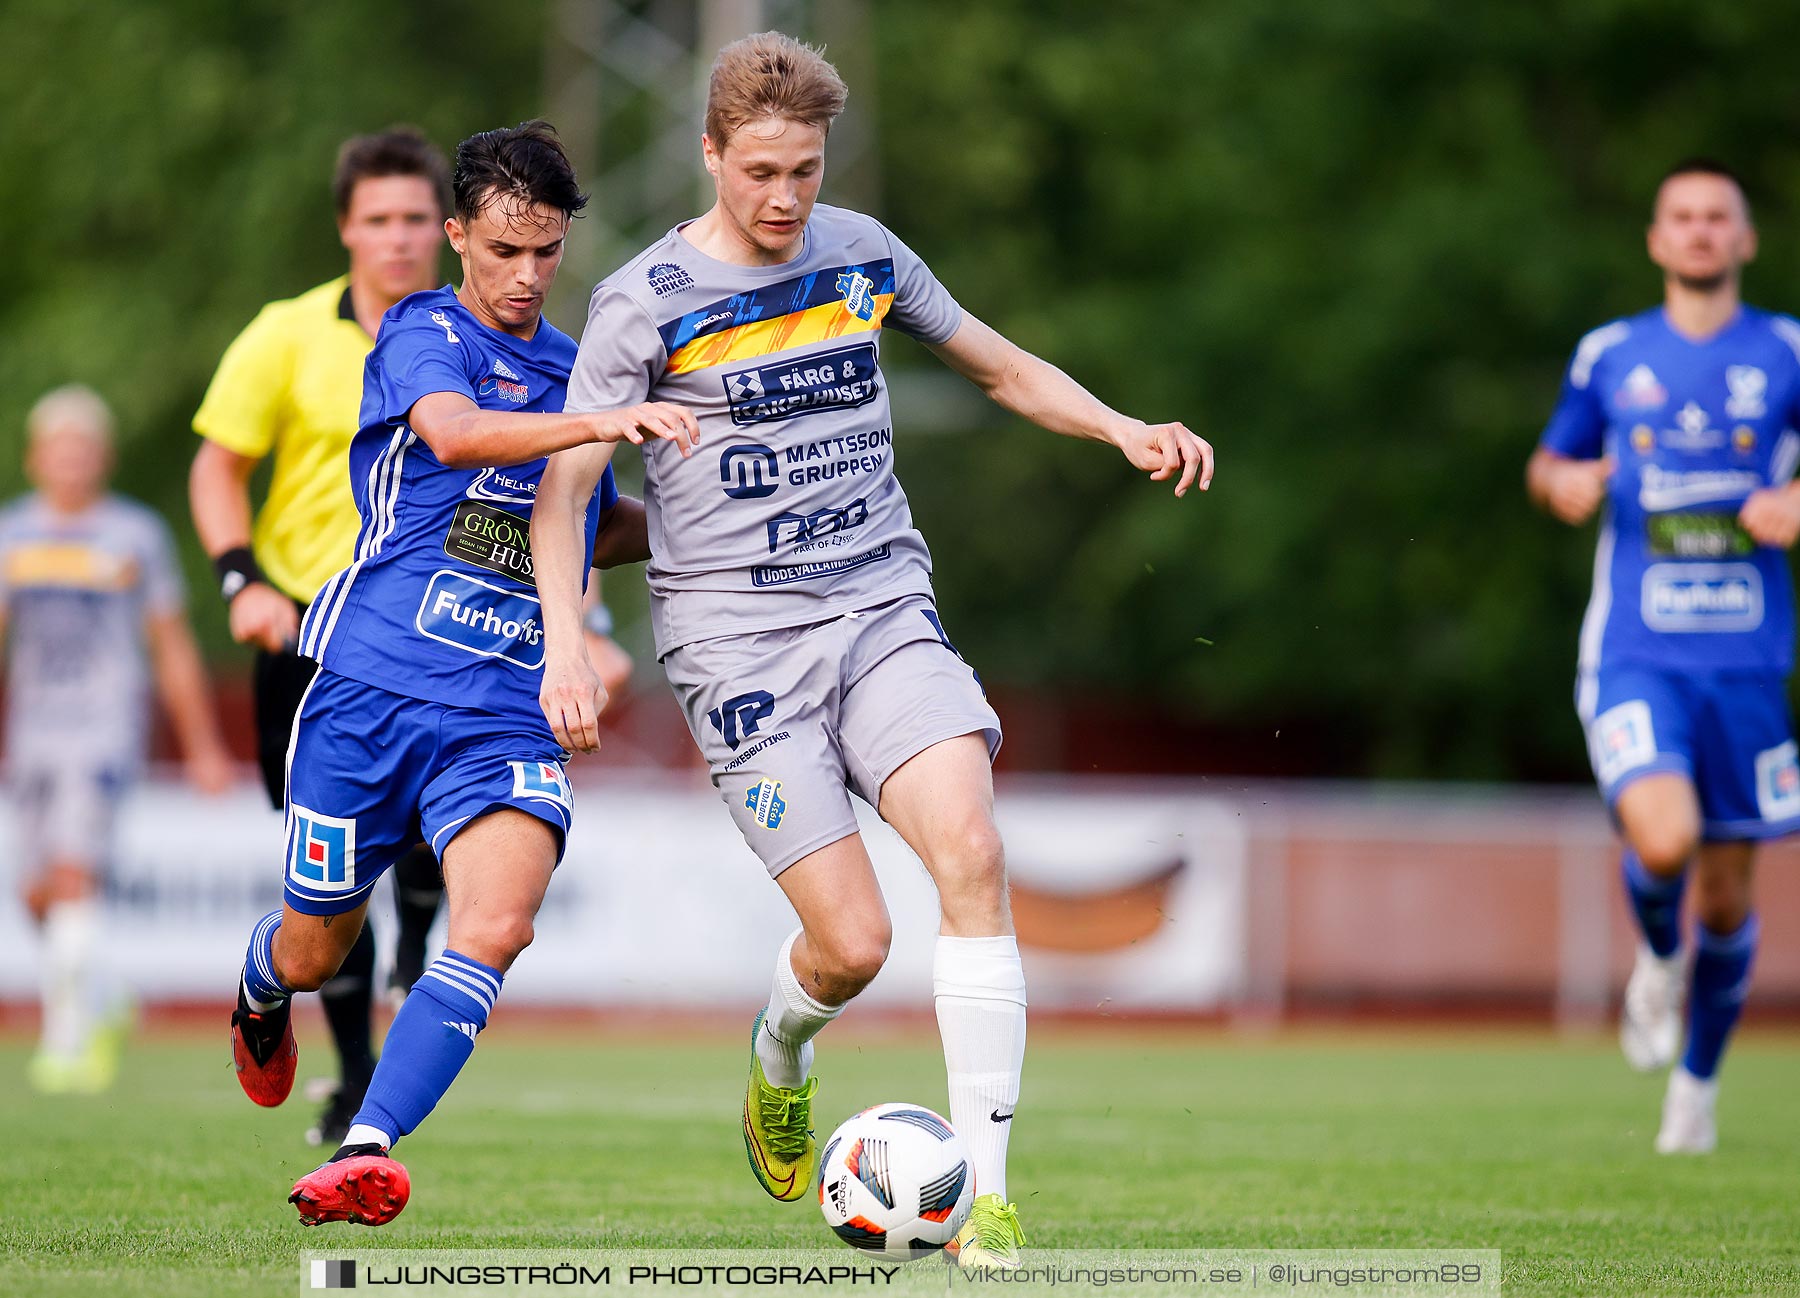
[88,581]
[791,595]
[290,387]
[422,722]
[1677,424]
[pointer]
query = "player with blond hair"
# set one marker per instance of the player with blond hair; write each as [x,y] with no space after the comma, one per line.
[88,582]
[791,594]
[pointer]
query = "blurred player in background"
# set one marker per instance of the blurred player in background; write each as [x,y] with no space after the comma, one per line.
[1680,423]
[422,722]
[792,597]
[88,581]
[290,387]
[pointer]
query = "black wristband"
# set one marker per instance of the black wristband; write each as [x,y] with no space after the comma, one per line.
[236,569]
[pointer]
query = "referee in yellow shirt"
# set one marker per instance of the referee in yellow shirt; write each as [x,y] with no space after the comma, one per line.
[290,387]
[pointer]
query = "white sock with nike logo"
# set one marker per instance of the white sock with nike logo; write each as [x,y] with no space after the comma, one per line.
[980,991]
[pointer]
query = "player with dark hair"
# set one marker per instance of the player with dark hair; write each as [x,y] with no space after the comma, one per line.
[422,722]
[792,599]
[1678,426]
[289,387]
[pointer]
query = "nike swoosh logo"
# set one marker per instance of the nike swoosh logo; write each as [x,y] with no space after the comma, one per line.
[997,1116]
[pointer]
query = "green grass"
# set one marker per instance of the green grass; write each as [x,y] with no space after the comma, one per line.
[174,1184]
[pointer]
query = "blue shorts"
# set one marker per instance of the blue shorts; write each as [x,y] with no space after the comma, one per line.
[370,773]
[1729,733]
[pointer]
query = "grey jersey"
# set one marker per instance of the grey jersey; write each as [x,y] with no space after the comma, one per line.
[789,513]
[76,590]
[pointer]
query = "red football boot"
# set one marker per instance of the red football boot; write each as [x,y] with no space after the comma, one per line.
[360,1183]
[263,1051]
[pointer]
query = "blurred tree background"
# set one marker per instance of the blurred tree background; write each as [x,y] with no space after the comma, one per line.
[1351,245]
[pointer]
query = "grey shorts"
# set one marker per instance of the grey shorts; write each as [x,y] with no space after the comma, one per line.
[67,812]
[793,721]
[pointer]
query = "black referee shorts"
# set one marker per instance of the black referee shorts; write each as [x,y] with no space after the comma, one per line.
[279,681]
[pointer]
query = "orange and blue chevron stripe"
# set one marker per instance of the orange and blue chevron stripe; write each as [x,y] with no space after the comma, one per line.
[807,309]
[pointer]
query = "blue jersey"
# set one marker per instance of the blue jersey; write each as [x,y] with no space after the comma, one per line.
[441,602]
[1695,427]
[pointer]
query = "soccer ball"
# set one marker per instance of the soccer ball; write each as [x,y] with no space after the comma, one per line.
[895,1182]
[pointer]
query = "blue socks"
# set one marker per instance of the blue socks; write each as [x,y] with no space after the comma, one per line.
[263,988]
[431,1039]
[1721,980]
[1656,900]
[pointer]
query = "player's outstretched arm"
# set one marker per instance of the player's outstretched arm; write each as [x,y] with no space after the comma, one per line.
[464,436]
[1566,489]
[571,694]
[1032,387]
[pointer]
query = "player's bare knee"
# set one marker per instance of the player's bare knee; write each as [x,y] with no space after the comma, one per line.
[495,940]
[849,963]
[1721,901]
[1666,851]
[1666,845]
[972,874]
[305,969]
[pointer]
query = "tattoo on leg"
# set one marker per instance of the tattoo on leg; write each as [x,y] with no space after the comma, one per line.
[327,921]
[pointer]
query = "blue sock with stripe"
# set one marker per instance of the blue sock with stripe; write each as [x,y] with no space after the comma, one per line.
[1656,901]
[1721,980]
[431,1039]
[263,987]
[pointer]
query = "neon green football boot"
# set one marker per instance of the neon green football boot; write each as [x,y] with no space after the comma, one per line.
[778,1134]
[990,1238]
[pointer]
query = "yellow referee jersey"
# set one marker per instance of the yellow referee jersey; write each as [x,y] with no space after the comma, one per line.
[291,386]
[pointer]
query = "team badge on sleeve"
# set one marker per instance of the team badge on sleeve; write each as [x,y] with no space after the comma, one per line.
[1622,740]
[766,804]
[545,780]
[321,851]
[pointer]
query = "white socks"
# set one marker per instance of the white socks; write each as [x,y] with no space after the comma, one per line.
[793,1019]
[71,935]
[364,1134]
[980,988]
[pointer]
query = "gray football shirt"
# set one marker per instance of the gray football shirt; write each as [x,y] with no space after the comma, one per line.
[789,513]
[76,590]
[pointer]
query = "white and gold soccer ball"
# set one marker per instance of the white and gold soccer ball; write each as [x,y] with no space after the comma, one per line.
[895,1182]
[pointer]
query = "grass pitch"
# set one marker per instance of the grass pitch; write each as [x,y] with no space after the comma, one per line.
[175,1184]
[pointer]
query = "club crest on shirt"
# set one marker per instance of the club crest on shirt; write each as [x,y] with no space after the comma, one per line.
[1748,387]
[1643,439]
[1743,439]
[1641,390]
[858,292]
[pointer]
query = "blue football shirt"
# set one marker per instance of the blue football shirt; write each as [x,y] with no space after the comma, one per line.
[1695,427]
[441,602]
